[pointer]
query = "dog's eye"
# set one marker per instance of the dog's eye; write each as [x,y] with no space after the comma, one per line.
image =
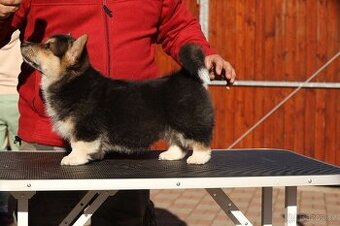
[46,45]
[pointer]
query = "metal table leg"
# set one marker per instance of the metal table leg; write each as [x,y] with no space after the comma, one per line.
[228,207]
[291,206]
[92,207]
[23,198]
[78,208]
[267,206]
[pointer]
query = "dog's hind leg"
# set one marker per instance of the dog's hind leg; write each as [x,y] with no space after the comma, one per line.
[201,154]
[176,149]
[174,152]
[83,152]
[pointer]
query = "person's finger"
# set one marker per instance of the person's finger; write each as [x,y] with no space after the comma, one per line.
[233,76]
[10,2]
[230,73]
[210,66]
[218,66]
[226,71]
[7,10]
[208,63]
[212,73]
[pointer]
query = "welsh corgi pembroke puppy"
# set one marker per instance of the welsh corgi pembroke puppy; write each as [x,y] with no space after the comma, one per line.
[97,114]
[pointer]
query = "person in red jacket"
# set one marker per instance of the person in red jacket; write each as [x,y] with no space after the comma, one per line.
[122,36]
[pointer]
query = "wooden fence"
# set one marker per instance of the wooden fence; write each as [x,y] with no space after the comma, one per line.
[276,40]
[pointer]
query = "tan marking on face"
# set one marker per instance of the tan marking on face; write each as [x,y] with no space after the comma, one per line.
[50,65]
[55,57]
[43,59]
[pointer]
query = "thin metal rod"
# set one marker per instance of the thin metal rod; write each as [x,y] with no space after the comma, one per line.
[204,16]
[280,84]
[283,101]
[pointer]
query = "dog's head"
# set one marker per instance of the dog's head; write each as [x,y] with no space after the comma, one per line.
[60,55]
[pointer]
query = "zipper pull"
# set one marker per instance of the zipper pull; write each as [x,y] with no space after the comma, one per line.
[107,11]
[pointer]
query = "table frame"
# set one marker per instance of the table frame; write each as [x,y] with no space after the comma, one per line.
[94,199]
[100,189]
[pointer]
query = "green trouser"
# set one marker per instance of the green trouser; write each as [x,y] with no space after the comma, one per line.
[126,208]
[8,130]
[8,121]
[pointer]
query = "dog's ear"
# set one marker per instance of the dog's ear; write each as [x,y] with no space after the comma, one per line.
[74,53]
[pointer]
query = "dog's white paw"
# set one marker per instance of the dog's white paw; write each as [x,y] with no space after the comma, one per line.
[72,160]
[173,153]
[200,158]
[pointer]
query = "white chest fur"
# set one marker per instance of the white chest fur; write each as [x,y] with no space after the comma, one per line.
[63,127]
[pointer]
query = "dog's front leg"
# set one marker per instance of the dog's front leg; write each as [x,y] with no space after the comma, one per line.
[83,152]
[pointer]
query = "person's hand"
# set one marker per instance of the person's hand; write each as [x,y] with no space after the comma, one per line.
[219,68]
[7,7]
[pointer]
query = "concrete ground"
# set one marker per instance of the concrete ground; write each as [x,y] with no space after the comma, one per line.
[317,206]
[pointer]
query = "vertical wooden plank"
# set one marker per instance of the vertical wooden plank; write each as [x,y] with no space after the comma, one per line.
[227,36]
[300,46]
[334,154]
[336,74]
[249,60]
[280,34]
[165,63]
[222,38]
[268,70]
[229,46]
[259,53]
[289,74]
[219,130]
[320,95]
[239,111]
[332,131]
[310,69]
[193,7]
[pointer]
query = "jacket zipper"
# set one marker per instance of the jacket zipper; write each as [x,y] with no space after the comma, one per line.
[107,13]
[107,10]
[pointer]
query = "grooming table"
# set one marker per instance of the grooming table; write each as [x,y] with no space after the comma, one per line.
[24,173]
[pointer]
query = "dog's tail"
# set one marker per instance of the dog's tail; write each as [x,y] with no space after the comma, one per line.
[192,59]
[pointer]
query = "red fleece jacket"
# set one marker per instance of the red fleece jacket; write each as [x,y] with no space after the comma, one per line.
[122,35]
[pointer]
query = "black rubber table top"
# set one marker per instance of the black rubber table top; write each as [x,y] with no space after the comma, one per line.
[232,163]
